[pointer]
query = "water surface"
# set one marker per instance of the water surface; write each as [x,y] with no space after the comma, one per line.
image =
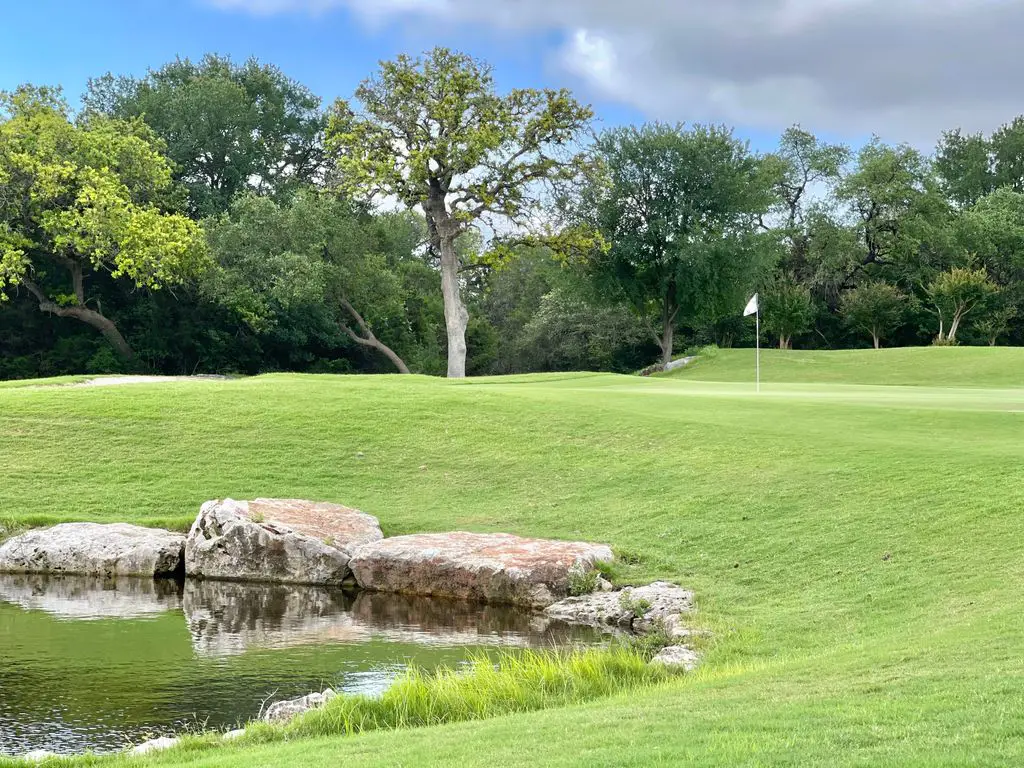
[94,664]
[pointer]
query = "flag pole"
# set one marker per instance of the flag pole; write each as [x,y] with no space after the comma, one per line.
[757,354]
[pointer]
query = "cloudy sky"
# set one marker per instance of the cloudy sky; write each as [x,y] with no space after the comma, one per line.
[905,69]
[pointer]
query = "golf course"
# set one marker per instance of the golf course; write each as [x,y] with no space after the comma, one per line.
[853,534]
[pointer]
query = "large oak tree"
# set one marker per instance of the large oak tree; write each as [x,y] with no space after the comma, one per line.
[434,133]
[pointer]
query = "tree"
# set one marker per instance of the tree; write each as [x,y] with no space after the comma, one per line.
[786,309]
[82,198]
[680,210]
[955,294]
[228,127]
[314,251]
[433,132]
[875,307]
[964,163]
[901,219]
[996,323]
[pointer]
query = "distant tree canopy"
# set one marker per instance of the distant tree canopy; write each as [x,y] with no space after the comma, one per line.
[213,216]
[227,127]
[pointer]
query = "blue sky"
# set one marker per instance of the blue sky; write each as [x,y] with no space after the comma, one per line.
[331,50]
[55,42]
[844,69]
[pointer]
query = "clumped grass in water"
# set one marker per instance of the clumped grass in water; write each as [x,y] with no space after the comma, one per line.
[486,686]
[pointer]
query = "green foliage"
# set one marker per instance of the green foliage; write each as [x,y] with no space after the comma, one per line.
[875,308]
[679,209]
[786,309]
[227,127]
[582,581]
[957,293]
[517,681]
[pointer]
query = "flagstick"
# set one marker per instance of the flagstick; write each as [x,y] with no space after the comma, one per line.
[757,358]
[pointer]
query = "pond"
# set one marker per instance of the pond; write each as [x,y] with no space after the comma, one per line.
[94,664]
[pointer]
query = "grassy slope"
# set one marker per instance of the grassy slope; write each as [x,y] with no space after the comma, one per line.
[914,366]
[855,549]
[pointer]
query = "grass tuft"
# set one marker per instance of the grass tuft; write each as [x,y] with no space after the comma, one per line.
[486,686]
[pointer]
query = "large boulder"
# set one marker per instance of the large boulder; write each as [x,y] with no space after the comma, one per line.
[494,568]
[94,549]
[276,540]
[660,605]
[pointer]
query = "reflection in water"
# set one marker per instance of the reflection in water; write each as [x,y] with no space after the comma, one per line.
[90,597]
[93,664]
[226,618]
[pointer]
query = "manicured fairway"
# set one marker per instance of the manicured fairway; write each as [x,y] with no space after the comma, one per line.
[857,550]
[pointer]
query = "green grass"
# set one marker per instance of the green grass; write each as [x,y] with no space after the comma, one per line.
[856,549]
[914,366]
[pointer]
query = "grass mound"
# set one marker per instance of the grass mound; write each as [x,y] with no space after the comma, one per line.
[856,549]
[908,366]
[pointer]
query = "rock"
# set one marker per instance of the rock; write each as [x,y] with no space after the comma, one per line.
[90,597]
[495,568]
[283,711]
[38,755]
[94,549]
[235,734]
[677,657]
[639,609]
[276,540]
[154,745]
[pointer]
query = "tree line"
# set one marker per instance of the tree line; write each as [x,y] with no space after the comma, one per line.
[213,216]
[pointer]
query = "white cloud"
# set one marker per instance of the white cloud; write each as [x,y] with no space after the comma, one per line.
[906,69]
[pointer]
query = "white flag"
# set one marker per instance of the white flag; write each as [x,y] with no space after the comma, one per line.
[751,306]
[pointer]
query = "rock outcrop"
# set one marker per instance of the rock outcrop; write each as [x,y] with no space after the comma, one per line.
[677,657]
[283,711]
[276,540]
[94,549]
[637,609]
[495,568]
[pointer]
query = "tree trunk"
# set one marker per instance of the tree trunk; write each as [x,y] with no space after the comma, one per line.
[81,312]
[667,333]
[783,342]
[370,340]
[456,316]
[878,341]
[954,326]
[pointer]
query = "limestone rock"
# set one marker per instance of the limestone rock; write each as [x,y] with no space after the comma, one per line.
[94,549]
[495,568]
[639,609]
[677,657]
[283,711]
[154,745]
[276,540]
[237,733]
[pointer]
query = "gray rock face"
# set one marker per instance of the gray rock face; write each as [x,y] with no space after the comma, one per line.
[677,657]
[94,549]
[283,711]
[493,568]
[639,609]
[276,540]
